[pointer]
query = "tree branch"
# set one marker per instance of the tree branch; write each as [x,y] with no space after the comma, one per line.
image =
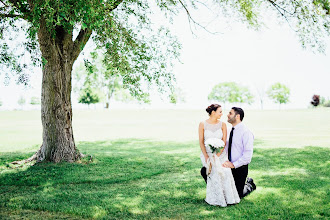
[80,42]
[4,3]
[10,16]
[84,34]
[190,19]
[18,7]
[114,5]
[278,8]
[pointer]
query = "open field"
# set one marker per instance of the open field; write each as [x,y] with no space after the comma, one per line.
[146,166]
[290,128]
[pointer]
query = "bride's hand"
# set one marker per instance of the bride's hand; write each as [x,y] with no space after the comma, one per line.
[206,158]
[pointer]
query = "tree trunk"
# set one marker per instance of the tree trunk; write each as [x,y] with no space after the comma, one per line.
[56,113]
[59,53]
[107,104]
[110,93]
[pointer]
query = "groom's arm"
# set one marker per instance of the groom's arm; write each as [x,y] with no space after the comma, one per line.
[246,157]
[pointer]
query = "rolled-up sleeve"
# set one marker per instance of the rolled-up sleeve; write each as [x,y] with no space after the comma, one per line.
[247,141]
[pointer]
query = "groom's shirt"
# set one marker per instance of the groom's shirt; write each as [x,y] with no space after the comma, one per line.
[242,145]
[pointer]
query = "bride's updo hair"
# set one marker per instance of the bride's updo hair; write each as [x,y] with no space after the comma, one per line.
[212,107]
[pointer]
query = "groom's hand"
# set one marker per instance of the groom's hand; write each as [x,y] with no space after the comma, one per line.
[228,164]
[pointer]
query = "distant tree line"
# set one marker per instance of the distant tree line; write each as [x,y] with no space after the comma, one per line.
[22,101]
[231,92]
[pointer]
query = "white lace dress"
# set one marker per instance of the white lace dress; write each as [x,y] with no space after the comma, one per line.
[220,189]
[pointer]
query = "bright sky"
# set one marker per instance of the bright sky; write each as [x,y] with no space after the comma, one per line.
[255,59]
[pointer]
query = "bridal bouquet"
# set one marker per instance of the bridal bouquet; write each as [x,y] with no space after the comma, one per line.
[215,144]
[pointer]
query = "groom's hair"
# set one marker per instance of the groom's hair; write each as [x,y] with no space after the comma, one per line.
[239,111]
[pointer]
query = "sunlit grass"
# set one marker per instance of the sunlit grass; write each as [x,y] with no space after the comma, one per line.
[146,166]
[141,179]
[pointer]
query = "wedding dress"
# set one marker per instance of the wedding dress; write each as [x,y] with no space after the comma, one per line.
[220,189]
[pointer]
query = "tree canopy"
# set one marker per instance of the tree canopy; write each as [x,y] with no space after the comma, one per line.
[122,28]
[177,96]
[231,92]
[89,96]
[35,100]
[279,93]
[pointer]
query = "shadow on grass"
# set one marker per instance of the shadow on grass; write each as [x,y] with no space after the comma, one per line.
[144,179]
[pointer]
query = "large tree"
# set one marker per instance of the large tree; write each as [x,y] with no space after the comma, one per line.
[57,31]
[119,27]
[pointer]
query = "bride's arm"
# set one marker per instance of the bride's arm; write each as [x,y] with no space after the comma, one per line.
[201,140]
[224,132]
[224,137]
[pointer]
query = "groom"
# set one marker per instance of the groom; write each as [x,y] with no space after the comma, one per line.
[240,150]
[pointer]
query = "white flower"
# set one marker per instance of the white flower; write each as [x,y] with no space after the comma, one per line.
[215,142]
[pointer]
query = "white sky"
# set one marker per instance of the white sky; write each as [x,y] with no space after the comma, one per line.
[252,58]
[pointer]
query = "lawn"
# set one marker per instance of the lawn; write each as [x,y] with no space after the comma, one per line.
[146,166]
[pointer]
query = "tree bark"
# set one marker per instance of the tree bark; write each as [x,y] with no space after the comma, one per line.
[59,53]
[56,113]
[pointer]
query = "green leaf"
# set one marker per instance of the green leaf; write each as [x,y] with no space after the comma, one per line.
[83,25]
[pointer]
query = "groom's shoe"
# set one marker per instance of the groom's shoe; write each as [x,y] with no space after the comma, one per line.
[249,187]
[250,181]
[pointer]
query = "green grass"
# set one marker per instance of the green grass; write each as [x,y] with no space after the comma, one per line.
[142,179]
[158,178]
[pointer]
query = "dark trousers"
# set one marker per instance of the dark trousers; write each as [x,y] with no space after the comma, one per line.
[203,173]
[240,175]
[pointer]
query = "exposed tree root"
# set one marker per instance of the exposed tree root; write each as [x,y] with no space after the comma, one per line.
[87,157]
[34,157]
[29,160]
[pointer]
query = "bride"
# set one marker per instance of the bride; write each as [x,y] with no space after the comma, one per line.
[220,189]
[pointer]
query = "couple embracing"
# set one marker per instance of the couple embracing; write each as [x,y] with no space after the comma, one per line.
[225,171]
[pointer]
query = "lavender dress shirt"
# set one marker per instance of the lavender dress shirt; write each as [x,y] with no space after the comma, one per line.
[242,145]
